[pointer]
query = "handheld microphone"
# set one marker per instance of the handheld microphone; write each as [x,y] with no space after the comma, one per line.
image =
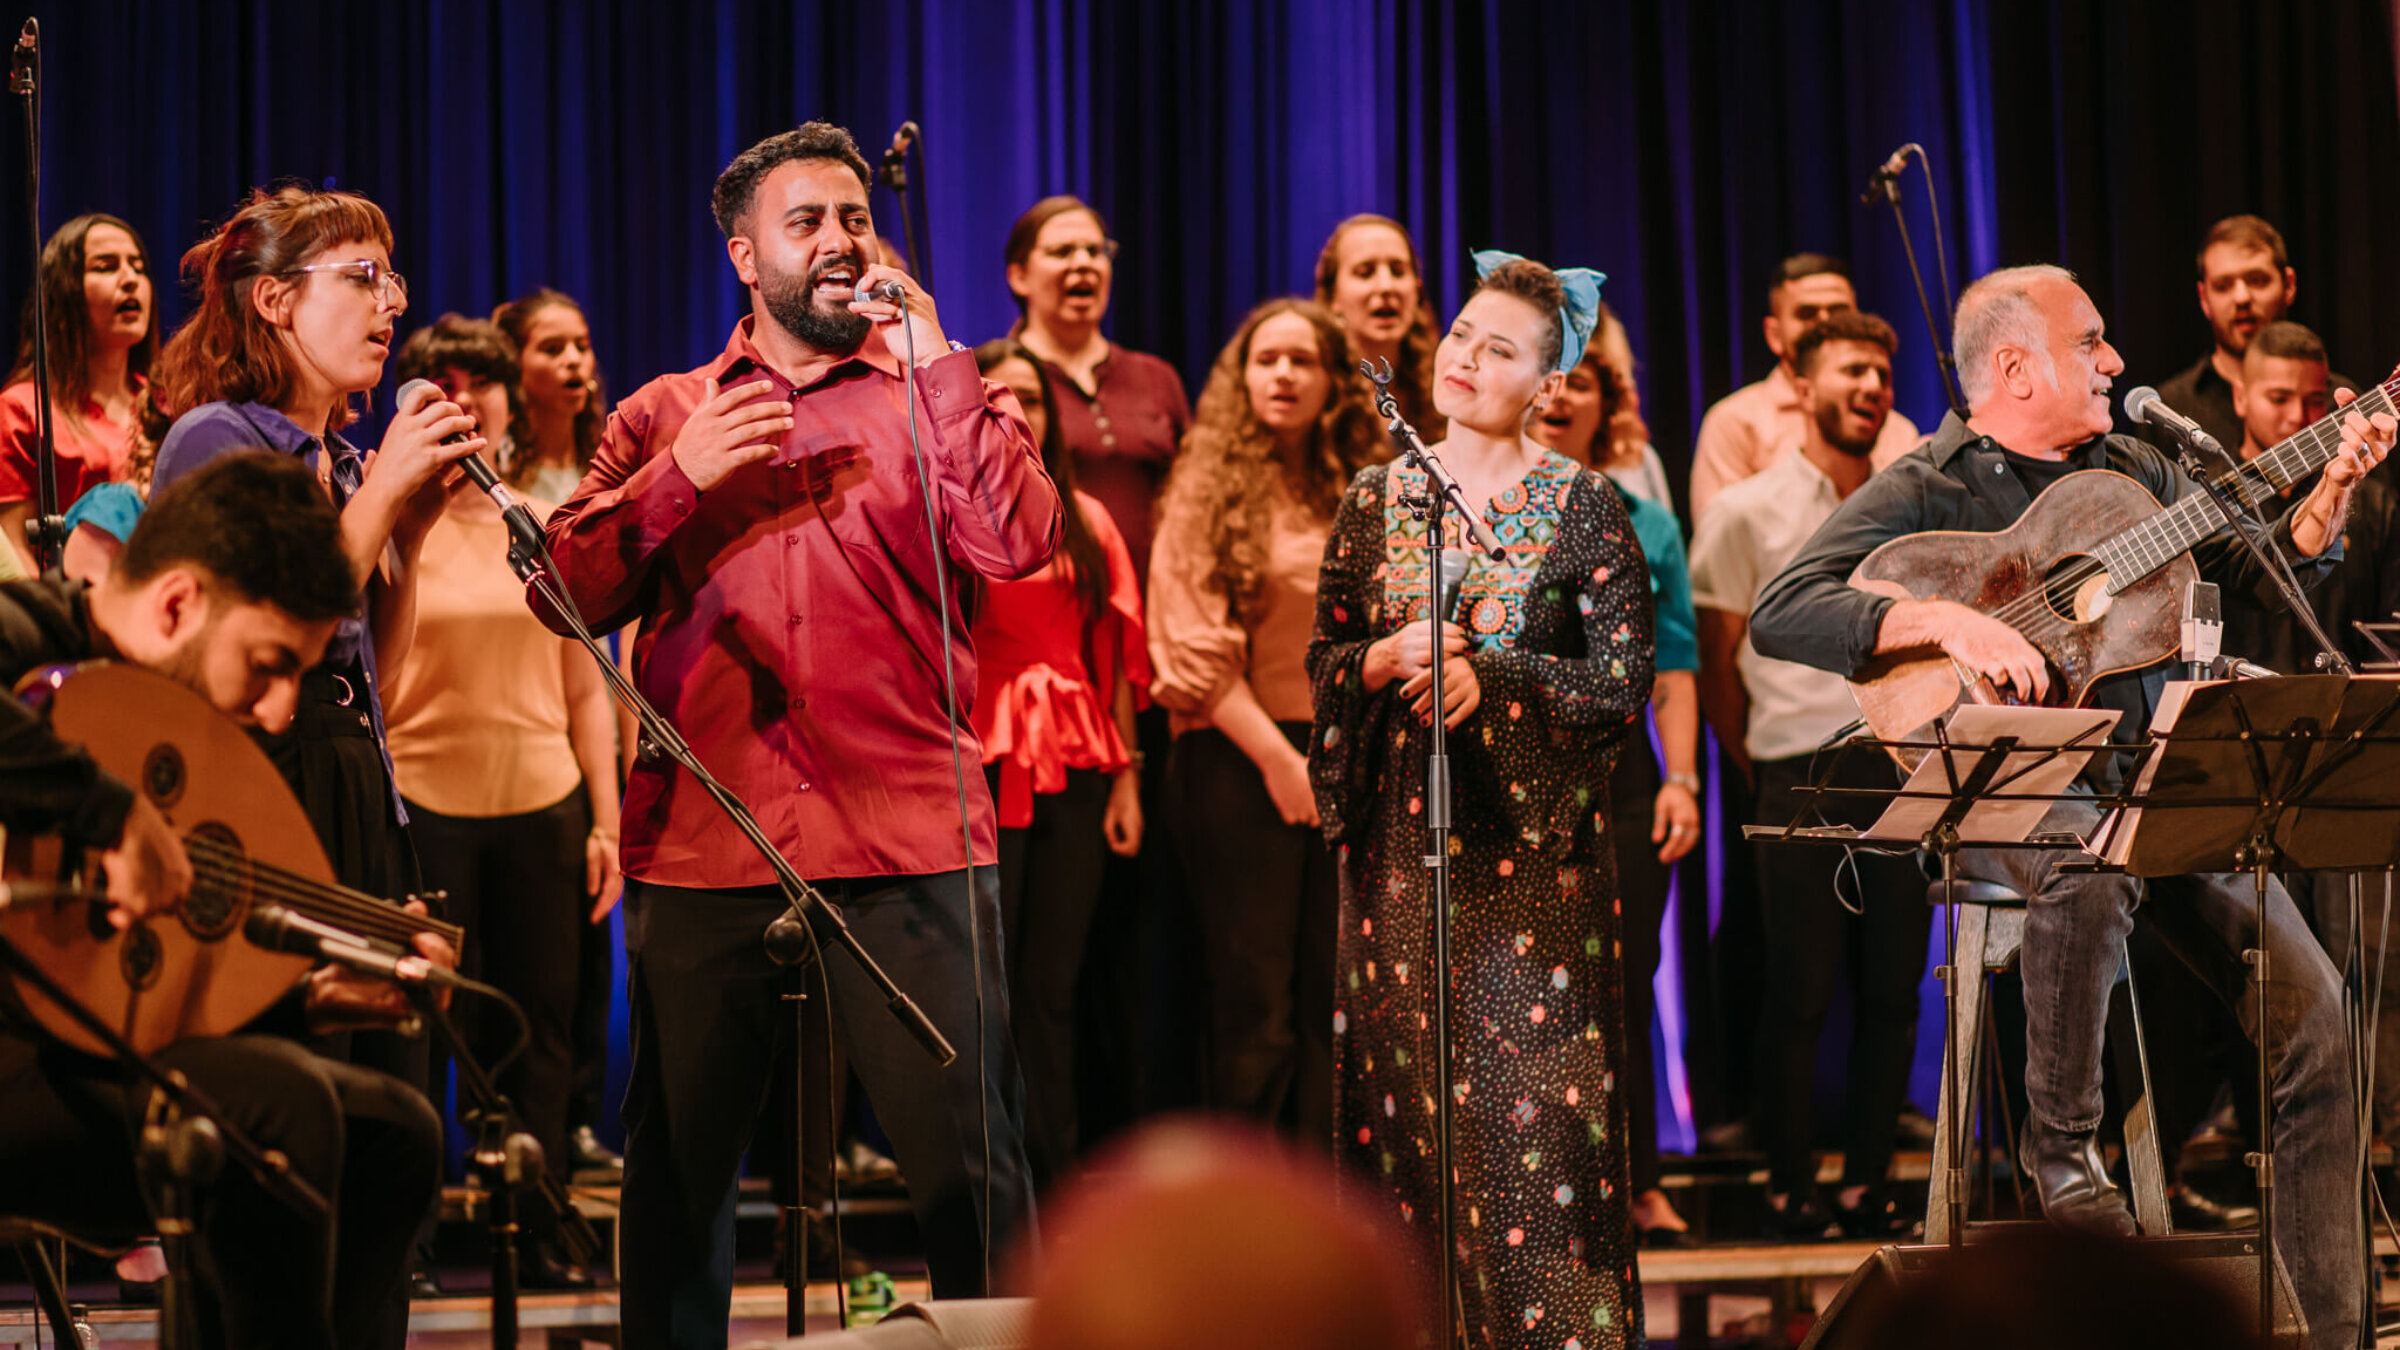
[2144,405]
[2203,629]
[522,527]
[281,930]
[891,292]
[1455,563]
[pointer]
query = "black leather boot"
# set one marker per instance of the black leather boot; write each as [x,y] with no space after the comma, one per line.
[2068,1175]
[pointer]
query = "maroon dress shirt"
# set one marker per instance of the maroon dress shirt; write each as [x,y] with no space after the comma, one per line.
[1124,437]
[788,627]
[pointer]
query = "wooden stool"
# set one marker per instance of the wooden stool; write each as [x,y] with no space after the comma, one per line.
[1991,928]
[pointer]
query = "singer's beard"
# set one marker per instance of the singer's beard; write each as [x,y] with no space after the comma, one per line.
[792,300]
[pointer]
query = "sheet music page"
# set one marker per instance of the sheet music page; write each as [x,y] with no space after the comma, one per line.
[2112,843]
[2040,771]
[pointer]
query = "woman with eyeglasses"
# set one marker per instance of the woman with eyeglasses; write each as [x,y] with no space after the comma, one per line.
[95,280]
[1121,412]
[297,302]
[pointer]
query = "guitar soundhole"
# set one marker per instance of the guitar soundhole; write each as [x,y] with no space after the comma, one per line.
[163,776]
[2076,588]
[220,889]
[139,957]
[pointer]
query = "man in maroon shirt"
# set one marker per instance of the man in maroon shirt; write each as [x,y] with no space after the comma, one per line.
[763,517]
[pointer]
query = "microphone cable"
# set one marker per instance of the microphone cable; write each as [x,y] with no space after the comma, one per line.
[958,771]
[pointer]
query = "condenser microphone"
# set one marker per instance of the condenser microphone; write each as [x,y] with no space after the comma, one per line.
[2203,629]
[522,527]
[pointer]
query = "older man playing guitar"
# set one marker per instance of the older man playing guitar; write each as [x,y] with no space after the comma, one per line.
[2104,556]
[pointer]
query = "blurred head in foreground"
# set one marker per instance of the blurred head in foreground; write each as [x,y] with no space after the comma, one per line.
[1195,1236]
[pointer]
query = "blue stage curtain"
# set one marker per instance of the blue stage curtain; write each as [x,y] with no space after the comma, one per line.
[1681,146]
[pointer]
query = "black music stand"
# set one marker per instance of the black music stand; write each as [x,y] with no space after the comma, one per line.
[1986,786]
[2317,758]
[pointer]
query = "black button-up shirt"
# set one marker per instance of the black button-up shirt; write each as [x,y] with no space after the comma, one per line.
[1958,480]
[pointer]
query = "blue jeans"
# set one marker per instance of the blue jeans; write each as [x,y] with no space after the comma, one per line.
[2075,928]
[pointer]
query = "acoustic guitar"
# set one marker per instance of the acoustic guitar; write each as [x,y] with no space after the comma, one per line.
[2093,574]
[191,971]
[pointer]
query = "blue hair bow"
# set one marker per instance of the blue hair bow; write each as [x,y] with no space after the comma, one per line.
[1582,311]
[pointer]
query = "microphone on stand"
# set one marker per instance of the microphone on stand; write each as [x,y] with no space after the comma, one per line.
[1455,563]
[889,291]
[281,930]
[2143,404]
[1885,182]
[895,160]
[522,527]
[2203,629]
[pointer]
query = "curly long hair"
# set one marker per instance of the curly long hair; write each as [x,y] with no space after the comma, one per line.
[1226,483]
[1412,384]
[225,351]
[516,319]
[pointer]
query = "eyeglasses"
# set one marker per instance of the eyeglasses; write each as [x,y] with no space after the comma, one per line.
[390,288]
[1065,253]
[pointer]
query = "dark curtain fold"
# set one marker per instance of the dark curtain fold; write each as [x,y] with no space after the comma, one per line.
[1682,147]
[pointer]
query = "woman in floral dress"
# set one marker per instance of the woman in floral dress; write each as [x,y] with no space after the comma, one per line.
[1545,671]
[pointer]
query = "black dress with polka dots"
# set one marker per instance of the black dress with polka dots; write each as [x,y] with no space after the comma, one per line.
[1561,650]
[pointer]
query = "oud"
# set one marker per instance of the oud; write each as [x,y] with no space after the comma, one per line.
[2093,575]
[190,971]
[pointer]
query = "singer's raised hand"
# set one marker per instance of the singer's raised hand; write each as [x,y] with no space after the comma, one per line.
[733,426]
[916,305]
[417,446]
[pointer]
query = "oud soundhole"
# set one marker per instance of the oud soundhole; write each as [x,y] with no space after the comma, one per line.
[139,957]
[163,776]
[2076,588]
[220,882]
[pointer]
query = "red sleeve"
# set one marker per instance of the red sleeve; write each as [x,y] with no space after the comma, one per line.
[607,535]
[1121,644]
[16,445]
[1002,517]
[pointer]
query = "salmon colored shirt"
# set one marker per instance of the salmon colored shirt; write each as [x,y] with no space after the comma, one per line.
[478,713]
[1199,645]
[91,449]
[1758,424]
[1049,696]
[788,622]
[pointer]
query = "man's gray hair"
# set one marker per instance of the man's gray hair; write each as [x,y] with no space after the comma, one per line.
[1999,311]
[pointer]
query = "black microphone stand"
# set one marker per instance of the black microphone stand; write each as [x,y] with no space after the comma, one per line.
[507,1159]
[1886,184]
[2249,525]
[183,1144]
[792,938]
[1442,492]
[895,176]
[46,532]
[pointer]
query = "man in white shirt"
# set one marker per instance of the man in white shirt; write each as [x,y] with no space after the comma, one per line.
[1778,713]
[1756,425]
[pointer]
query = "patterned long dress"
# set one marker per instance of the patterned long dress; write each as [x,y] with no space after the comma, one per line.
[1561,647]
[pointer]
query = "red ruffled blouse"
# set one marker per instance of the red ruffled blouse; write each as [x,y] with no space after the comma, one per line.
[1047,703]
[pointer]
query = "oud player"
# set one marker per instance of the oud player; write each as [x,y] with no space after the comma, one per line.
[2036,365]
[232,584]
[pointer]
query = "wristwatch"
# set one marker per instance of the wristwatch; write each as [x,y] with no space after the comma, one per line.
[1689,782]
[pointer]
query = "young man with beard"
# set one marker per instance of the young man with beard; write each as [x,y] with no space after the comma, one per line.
[1758,424]
[2036,367]
[2245,282]
[1772,715]
[763,518]
[231,584]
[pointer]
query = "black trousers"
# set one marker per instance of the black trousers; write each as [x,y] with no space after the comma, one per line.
[1050,875]
[1811,935]
[268,1276]
[708,1023]
[1642,883]
[1268,896]
[516,886]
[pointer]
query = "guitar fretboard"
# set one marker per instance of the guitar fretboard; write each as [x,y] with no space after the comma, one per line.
[2139,550]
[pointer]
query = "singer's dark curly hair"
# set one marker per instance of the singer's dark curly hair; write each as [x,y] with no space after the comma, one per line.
[257,524]
[738,185]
